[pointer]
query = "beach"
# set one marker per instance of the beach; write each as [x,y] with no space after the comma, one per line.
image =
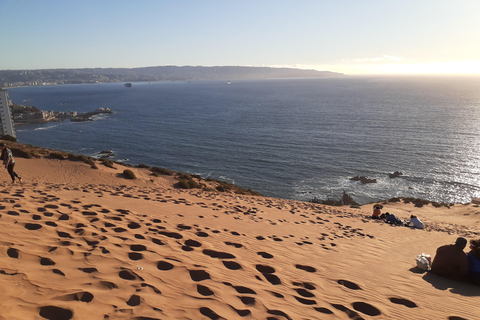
[84,243]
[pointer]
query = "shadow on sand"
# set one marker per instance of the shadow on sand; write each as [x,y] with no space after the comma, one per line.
[461,288]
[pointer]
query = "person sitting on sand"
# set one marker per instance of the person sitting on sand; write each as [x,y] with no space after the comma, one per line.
[451,262]
[415,222]
[9,162]
[376,212]
[392,219]
[474,262]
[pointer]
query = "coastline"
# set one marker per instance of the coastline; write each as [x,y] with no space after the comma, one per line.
[80,243]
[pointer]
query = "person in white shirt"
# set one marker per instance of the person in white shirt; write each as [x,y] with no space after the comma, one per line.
[415,222]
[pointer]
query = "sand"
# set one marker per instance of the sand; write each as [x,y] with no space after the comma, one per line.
[80,243]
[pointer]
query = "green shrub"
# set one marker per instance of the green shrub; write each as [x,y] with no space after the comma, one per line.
[221,188]
[183,184]
[107,163]
[143,166]
[128,174]
[80,157]
[57,155]
[7,137]
[188,184]
[23,153]
[162,171]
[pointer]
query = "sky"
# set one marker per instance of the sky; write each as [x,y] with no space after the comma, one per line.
[351,37]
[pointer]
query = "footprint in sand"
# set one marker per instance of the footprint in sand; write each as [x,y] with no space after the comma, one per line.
[138,247]
[173,235]
[305,301]
[405,302]
[305,293]
[231,265]
[47,262]
[80,296]
[56,271]
[306,285]
[134,300]
[33,226]
[241,313]
[193,243]
[236,245]
[204,291]
[351,314]
[207,312]
[129,275]
[218,254]
[12,253]
[306,268]
[267,272]
[265,255]
[164,266]
[349,284]
[55,313]
[202,234]
[244,290]
[366,308]
[88,270]
[135,256]
[324,310]
[249,301]
[199,275]
[278,313]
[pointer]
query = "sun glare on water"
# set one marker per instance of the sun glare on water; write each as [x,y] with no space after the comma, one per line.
[451,67]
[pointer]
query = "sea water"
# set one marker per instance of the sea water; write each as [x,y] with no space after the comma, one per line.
[289,138]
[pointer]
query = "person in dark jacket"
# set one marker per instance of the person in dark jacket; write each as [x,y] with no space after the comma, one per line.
[9,162]
[474,262]
[451,262]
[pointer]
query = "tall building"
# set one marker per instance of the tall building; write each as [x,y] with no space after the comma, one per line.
[6,122]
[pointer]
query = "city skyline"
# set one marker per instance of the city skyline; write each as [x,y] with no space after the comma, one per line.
[373,37]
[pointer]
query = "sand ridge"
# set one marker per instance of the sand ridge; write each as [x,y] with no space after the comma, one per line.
[103,247]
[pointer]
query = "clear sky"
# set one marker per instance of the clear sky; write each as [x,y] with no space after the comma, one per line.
[353,37]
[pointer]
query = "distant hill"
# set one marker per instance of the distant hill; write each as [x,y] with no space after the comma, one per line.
[10,78]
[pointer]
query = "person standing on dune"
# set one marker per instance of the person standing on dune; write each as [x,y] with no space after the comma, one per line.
[9,162]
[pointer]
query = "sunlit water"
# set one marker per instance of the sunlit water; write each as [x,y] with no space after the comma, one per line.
[295,139]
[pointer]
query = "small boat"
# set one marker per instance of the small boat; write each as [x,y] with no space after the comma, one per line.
[128,85]
[229,82]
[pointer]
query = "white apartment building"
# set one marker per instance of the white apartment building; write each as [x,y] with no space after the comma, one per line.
[6,122]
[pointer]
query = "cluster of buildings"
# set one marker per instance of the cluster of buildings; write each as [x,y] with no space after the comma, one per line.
[6,120]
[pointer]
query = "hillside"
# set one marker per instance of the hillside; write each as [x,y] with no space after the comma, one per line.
[164,73]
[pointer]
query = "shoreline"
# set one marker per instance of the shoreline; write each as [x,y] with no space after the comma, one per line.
[34,151]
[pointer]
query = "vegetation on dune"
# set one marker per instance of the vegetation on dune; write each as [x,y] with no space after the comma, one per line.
[162,171]
[128,174]
[7,137]
[421,202]
[185,181]
[107,163]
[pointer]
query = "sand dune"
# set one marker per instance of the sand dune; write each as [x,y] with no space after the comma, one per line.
[79,243]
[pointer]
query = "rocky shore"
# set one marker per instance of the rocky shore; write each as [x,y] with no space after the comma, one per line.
[29,115]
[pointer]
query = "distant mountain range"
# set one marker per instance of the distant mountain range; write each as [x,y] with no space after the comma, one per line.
[9,78]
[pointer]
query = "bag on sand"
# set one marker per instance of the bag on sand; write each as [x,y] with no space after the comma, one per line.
[423,261]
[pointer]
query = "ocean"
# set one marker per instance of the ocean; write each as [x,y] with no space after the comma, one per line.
[288,138]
